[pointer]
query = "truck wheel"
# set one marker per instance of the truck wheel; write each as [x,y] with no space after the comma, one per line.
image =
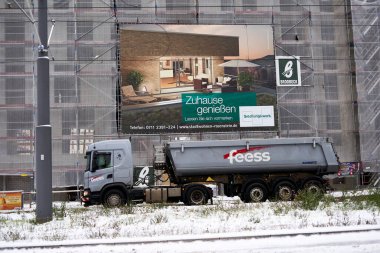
[256,192]
[284,191]
[114,198]
[196,195]
[314,186]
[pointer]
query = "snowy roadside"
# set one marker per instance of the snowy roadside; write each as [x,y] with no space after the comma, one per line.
[228,215]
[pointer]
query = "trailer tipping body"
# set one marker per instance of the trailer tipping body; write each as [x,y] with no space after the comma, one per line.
[201,158]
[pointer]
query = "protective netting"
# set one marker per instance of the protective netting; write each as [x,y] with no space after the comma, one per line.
[84,68]
[366,35]
[83,81]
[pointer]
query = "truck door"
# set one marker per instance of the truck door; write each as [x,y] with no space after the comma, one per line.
[123,167]
[102,170]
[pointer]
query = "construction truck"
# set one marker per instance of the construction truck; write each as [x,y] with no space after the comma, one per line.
[253,169]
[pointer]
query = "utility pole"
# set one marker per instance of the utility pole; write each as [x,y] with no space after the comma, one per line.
[43,143]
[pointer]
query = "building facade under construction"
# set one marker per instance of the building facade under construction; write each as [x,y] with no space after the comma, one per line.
[337,42]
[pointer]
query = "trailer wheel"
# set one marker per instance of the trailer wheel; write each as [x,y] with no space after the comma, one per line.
[196,195]
[284,191]
[314,187]
[114,198]
[256,192]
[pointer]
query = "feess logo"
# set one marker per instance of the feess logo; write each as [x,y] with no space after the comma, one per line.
[243,155]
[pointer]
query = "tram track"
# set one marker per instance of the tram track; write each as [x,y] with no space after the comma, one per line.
[187,238]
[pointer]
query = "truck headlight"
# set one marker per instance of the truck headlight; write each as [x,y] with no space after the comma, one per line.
[86,193]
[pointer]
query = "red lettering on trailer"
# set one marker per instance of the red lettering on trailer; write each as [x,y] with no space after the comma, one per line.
[244,150]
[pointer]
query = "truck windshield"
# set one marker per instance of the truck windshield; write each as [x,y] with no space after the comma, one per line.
[88,163]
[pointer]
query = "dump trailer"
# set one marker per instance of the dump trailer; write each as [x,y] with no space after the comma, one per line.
[253,169]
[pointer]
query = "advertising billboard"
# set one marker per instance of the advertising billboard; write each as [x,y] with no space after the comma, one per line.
[183,78]
[10,200]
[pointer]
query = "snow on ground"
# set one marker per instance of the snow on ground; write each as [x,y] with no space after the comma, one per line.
[227,216]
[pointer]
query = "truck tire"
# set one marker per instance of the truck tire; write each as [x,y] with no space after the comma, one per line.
[284,191]
[114,198]
[196,195]
[314,186]
[255,192]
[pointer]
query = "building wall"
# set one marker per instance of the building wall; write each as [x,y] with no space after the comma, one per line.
[366,38]
[84,74]
[323,106]
[83,80]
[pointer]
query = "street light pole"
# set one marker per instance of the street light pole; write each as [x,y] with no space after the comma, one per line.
[43,142]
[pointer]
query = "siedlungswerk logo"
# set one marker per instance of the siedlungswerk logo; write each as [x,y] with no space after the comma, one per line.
[256,116]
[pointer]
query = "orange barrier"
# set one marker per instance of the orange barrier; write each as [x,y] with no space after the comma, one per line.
[10,200]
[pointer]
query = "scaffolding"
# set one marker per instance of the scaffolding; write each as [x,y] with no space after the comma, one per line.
[83,80]
[339,96]
[366,38]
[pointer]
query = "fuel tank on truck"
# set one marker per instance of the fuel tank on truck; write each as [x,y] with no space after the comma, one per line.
[246,156]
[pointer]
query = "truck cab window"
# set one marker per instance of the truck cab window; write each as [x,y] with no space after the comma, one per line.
[101,160]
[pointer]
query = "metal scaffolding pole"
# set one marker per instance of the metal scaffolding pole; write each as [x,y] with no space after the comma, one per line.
[43,128]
